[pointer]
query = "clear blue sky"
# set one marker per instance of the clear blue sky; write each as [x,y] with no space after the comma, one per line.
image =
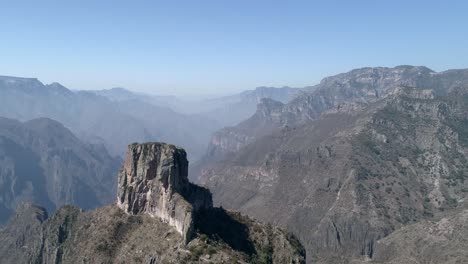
[197,46]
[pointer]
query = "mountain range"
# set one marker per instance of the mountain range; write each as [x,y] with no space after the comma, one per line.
[117,117]
[363,155]
[225,110]
[368,166]
[359,86]
[43,162]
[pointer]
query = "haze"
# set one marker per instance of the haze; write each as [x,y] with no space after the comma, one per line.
[222,47]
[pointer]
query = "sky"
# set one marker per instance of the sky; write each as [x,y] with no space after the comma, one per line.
[219,47]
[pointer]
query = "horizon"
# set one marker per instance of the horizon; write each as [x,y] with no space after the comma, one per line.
[221,48]
[211,131]
[215,95]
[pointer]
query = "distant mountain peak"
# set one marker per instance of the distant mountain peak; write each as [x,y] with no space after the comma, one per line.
[56,85]
[383,147]
[119,90]
[12,78]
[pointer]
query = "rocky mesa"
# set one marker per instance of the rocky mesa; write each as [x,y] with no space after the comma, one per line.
[154,181]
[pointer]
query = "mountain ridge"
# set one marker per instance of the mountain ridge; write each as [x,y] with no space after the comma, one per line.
[44,162]
[358,86]
[93,117]
[143,226]
[322,178]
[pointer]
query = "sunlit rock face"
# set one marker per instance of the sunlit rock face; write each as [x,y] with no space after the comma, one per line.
[153,180]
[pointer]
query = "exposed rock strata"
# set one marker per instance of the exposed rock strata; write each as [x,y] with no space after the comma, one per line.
[165,219]
[154,181]
[348,179]
[344,91]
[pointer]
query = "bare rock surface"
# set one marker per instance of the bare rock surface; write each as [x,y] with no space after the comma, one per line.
[154,181]
[367,156]
[159,218]
[442,240]
[355,88]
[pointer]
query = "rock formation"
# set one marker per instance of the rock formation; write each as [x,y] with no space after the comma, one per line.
[357,87]
[160,218]
[349,179]
[154,181]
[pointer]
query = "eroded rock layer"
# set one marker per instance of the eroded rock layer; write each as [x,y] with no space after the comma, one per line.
[153,180]
[160,217]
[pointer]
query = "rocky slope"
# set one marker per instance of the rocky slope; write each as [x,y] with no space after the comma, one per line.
[350,90]
[94,118]
[159,218]
[93,115]
[351,177]
[443,240]
[230,140]
[225,110]
[43,162]
[231,110]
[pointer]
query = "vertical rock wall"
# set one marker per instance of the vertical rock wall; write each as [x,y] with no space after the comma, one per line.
[154,181]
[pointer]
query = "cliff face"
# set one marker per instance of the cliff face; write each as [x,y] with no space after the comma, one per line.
[352,90]
[348,179]
[154,181]
[159,218]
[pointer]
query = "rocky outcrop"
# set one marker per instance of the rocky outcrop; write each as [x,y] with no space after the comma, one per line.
[346,180]
[345,92]
[154,181]
[159,218]
[109,235]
